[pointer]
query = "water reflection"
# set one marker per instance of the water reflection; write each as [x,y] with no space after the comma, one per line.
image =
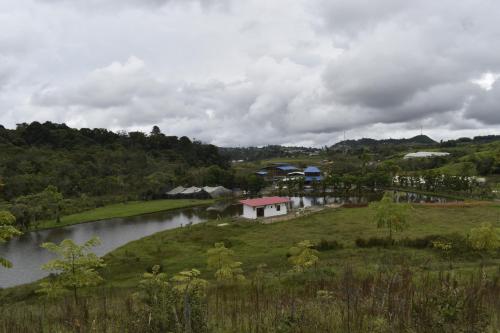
[27,256]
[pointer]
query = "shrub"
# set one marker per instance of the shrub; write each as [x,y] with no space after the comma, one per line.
[375,242]
[419,242]
[326,245]
[459,242]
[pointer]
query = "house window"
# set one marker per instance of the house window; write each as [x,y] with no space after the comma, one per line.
[278,207]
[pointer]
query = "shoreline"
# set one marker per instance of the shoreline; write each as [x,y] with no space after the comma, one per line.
[101,216]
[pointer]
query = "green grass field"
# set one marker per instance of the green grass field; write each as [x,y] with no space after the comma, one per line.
[131,208]
[268,244]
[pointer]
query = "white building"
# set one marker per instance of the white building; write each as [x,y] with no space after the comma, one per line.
[423,154]
[264,207]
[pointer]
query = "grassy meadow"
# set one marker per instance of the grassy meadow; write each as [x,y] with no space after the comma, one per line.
[268,244]
[126,209]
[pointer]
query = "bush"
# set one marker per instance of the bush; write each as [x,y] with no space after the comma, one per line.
[419,243]
[375,242]
[459,242]
[326,245]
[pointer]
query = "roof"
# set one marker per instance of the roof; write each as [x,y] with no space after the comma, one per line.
[284,167]
[287,167]
[264,201]
[176,190]
[211,189]
[191,190]
[217,191]
[312,169]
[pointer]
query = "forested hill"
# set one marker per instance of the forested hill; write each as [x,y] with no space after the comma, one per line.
[419,140]
[98,162]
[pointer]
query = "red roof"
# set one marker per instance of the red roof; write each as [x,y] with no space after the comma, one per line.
[264,201]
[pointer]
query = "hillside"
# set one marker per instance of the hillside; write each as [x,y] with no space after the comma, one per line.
[419,140]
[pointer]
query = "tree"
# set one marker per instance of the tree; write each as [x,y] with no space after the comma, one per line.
[75,268]
[155,131]
[365,159]
[484,238]
[221,259]
[303,256]
[389,214]
[7,231]
[51,199]
[255,184]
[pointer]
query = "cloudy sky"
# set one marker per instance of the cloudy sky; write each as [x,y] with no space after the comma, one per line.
[254,72]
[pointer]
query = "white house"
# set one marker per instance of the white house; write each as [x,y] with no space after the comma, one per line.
[264,207]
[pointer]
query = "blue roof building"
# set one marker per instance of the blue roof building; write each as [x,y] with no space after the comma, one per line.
[277,170]
[312,174]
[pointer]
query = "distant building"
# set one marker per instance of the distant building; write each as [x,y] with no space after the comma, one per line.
[194,192]
[277,170]
[264,207]
[423,154]
[312,174]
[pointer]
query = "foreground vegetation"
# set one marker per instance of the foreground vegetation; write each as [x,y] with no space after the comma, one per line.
[121,210]
[346,278]
[350,301]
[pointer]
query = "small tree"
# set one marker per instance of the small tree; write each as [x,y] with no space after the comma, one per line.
[390,215]
[191,289]
[160,301]
[303,256]
[75,268]
[221,259]
[189,280]
[7,231]
[445,248]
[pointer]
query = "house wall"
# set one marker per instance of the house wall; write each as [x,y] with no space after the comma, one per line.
[269,211]
[249,212]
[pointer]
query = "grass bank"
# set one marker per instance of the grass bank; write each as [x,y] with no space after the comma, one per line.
[131,208]
[268,244]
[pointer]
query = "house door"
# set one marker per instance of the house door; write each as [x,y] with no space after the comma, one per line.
[260,212]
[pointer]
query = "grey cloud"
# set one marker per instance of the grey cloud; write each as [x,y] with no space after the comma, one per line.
[254,74]
[485,107]
[119,4]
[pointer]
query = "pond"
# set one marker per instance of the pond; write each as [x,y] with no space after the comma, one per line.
[27,256]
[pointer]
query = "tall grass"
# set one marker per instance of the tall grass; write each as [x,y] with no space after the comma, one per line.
[401,300]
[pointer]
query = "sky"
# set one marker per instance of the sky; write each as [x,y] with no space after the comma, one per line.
[254,72]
